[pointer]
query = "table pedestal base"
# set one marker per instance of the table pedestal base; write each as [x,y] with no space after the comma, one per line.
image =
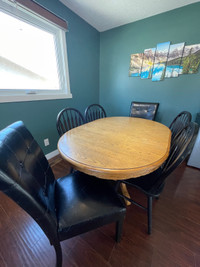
[125,193]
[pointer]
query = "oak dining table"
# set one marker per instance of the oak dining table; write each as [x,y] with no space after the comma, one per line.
[116,148]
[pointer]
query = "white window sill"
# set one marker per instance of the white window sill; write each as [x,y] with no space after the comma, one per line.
[33,97]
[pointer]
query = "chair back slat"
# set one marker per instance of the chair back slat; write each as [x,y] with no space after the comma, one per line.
[94,112]
[65,124]
[76,119]
[73,120]
[67,119]
[179,122]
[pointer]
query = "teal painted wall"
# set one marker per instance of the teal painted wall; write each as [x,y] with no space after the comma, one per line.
[117,90]
[114,89]
[83,58]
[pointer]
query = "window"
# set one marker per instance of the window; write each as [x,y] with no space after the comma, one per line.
[33,56]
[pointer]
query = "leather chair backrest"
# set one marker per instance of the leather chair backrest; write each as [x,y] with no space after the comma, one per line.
[143,110]
[26,177]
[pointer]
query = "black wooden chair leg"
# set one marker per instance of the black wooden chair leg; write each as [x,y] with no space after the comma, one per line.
[119,226]
[117,184]
[149,214]
[58,251]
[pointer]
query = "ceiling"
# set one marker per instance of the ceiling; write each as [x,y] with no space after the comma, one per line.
[107,14]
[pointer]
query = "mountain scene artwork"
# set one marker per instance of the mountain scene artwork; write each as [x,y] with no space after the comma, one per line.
[147,64]
[165,61]
[160,61]
[190,59]
[135,65]
[174,67]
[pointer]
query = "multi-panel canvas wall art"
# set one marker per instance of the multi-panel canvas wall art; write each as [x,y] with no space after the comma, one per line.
[165,61]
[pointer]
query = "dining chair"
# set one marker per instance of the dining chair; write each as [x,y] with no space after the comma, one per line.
[94,112]
[152,184]
[179,122]
[67,119]
[63,208]
[143,110]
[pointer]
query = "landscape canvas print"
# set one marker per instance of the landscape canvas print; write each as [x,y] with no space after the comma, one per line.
[174,60]
[191,59]
[165,61]
[135,64]
[147,64]
[161,54]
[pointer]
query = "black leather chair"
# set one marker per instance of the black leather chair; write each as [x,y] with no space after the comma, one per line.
[143,110]
[63,208]
[179,122]
[152,184]
[67,119]
[94,112]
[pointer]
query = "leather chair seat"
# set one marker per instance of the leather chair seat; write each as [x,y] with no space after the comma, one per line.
[77,203]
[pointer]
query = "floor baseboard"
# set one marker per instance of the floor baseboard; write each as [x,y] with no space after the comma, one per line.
[53,157]
[52,154]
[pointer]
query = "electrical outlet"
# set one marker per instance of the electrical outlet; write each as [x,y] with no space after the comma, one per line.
[46,142]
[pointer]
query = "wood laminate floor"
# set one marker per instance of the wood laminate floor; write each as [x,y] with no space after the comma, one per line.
[175,238]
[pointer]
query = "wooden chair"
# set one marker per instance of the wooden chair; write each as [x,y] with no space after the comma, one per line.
[152,184]
[179,122]
[143,110]
[63,208]
[94,112]
[67,119]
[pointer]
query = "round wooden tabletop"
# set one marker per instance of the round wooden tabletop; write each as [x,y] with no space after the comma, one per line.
[116,147]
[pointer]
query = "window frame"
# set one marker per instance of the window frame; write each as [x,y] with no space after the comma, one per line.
[18,95]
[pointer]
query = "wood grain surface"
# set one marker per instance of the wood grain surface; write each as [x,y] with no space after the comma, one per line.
[116,147]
